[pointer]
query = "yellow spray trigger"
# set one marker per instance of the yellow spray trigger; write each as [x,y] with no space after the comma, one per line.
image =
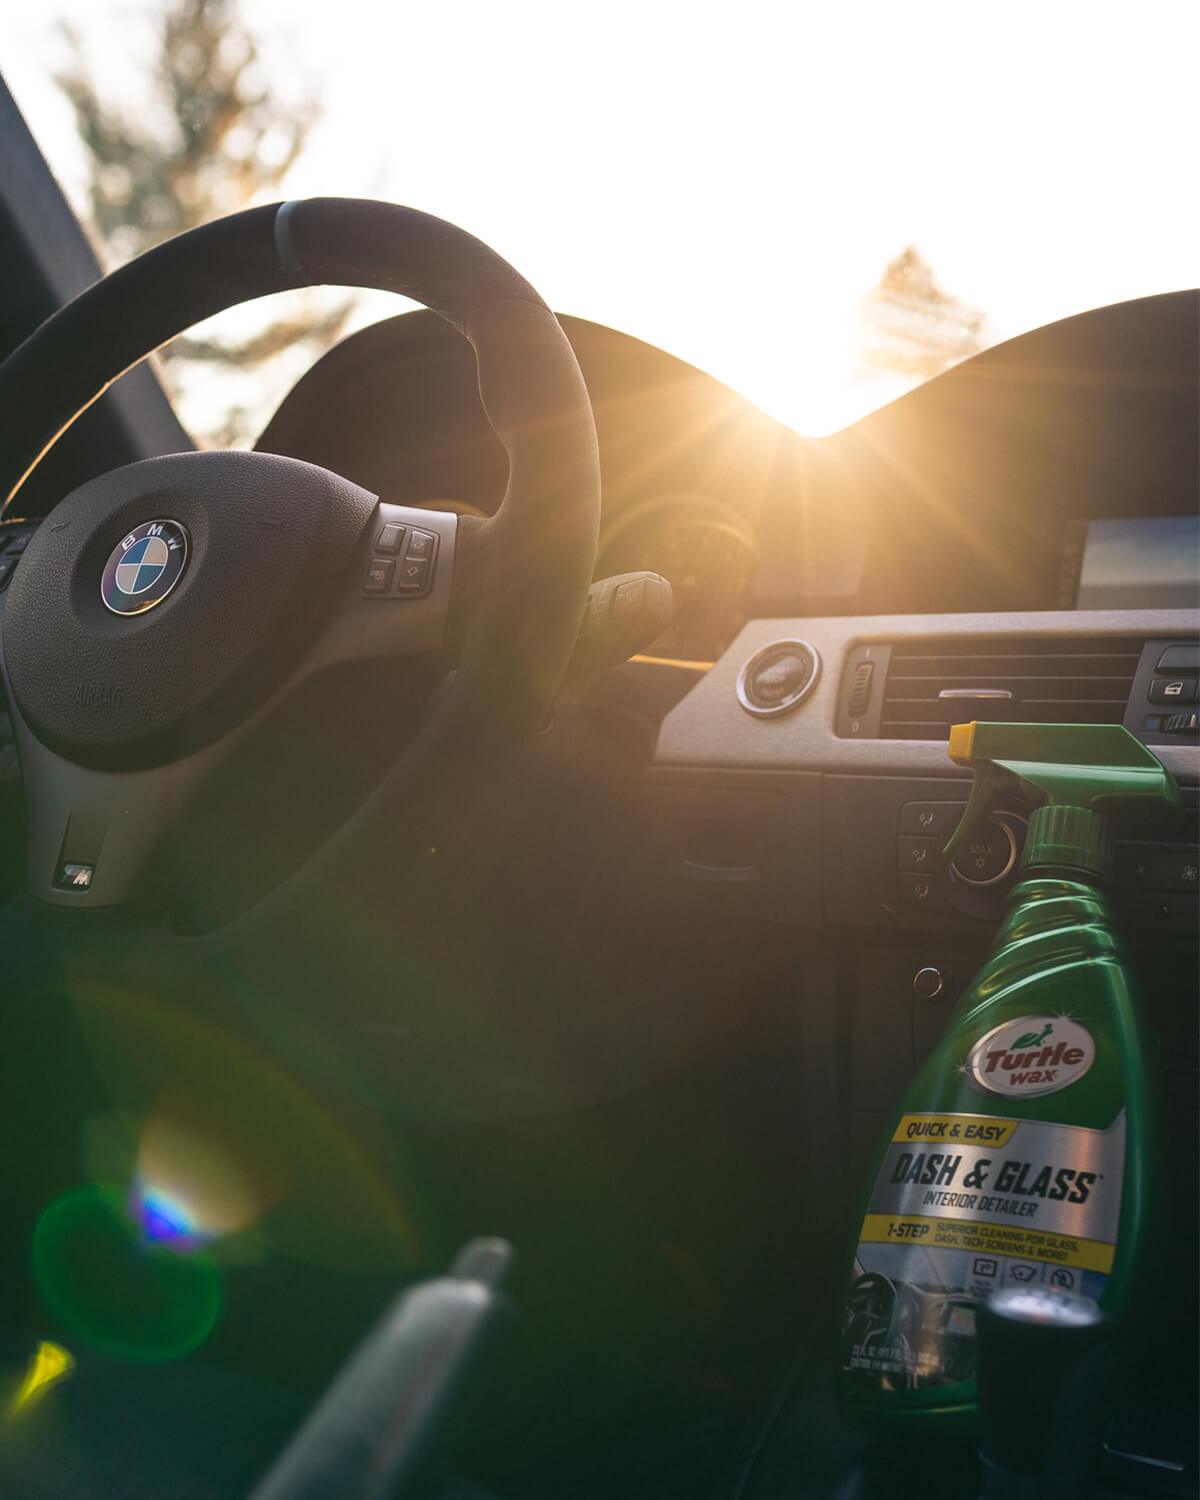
[962,742]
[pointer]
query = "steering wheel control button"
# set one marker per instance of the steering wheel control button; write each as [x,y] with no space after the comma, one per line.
[391,539]
[144,567]
[778,677]
[414,575]
[1173,691]
[989,857]
[420,545]
[380,573]
[933,820]
[416,571]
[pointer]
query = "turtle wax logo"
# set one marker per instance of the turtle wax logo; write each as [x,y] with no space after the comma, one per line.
[1031,1055]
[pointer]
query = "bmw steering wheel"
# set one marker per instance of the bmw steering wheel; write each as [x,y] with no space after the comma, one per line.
[163,608]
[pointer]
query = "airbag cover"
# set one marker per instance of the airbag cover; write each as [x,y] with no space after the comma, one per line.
[270,539]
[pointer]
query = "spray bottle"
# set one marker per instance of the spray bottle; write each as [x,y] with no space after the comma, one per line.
[1021,1152]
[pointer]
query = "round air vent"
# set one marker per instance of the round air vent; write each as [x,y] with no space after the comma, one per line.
[778,677]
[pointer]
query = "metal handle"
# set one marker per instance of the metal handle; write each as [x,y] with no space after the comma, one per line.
[976,693]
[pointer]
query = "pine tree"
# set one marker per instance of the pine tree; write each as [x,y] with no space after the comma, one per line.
[912,327]
[212,139]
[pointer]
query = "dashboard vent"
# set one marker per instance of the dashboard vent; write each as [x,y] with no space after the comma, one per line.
[1043,680]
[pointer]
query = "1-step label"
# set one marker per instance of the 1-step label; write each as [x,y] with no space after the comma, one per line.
[963,1205]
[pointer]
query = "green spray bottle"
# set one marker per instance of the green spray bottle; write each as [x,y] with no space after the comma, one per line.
[1021,1152]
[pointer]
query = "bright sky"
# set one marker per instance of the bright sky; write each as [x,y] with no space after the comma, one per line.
[726,181]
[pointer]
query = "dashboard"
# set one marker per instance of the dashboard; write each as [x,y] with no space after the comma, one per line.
[1019,538]
[1056,471]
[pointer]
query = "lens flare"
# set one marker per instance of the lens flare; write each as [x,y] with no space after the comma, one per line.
[217,1150]
[102,1272]
[164,1220]
[50,1364]
[194,1184]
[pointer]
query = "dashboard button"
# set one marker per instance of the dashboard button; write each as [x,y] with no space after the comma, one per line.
[917,853]
[772,682]
[989,856]
[935,820]
[391,539]
[1180,659]
[1175,870]
[1173,690]
[1185,723]
[778,677]
[380,572]
[922,892]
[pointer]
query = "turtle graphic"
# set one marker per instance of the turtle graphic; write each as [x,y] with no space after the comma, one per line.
[1032,1038]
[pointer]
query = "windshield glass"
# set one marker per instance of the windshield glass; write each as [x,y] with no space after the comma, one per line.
[821,206]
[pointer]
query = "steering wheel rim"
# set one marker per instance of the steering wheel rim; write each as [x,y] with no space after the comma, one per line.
[520,579]
[277,972]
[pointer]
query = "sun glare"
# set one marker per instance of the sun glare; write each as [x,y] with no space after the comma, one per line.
[730,182]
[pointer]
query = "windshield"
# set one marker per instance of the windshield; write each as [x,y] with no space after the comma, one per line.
[821,206]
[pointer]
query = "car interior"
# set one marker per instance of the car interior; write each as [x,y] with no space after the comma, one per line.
[480,927]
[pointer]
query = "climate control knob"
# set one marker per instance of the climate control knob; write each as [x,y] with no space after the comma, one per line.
[990,856]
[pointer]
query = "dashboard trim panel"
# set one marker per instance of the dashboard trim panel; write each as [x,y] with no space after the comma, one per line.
[710,729]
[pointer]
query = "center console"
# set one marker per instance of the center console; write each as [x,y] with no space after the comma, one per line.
[829,822]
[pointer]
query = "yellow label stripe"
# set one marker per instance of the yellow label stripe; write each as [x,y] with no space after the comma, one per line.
[934,1132]
[989,1239]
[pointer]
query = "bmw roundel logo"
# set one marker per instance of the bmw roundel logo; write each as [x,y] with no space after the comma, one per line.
[144,567]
